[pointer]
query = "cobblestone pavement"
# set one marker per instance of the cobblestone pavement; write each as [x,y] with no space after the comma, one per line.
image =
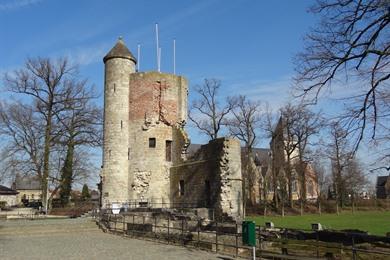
[81,239]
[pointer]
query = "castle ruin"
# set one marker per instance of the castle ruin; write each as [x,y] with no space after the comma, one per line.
[144,152]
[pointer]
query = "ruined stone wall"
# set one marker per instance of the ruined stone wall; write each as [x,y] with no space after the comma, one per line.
[116,130]
[212,178]
[157,110]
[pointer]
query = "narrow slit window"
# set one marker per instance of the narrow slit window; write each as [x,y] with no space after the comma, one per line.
[121,124]
[114,88]
[128,153]
[181,187]
[152,142]
[168,150]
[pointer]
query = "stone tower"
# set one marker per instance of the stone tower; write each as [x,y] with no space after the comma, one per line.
[144,153]
[144,114]
[158,112]
[119,64]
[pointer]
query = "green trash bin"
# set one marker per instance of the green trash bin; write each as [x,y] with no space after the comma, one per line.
[249,233]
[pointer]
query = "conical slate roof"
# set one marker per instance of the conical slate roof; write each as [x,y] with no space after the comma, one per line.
[119,51]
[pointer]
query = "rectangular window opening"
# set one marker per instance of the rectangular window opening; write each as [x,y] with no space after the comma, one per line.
[128,153]
[152,142]
[121,124]
[168,151]
[181,187]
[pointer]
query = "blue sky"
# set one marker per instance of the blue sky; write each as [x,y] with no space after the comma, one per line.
[248,45]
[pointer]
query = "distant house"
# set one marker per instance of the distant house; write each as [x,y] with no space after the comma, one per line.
[383,187]
[95,195]
[28,187]
[8,195]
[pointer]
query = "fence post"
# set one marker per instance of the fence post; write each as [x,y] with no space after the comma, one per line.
[115,224]
[124,218]
[182,231]
[236,239]
[260,241]
[198,232]
[354,256]
[132,229]
[109,222]
[168,230]
[155,227]
[216,237]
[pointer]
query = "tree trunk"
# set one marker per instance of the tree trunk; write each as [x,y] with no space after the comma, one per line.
[46,158]
[301,206]
[319,205]
[67,173]
[243,198]
[289,182]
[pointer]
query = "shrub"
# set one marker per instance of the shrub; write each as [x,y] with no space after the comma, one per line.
[3,204]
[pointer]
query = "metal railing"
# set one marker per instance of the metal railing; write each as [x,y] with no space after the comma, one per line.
[132,204]
[226,238]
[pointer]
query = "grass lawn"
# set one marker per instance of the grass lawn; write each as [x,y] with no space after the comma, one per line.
[375,222]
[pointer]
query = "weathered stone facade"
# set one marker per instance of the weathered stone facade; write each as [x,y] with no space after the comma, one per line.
[211,178]
[144,153]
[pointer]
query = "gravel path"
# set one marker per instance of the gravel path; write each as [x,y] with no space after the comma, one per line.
[81,239]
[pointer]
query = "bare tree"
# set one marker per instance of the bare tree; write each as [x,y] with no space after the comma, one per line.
[339,154]
[244,122]
[48,84]
[80,125]
[351,44]
[288,118]
[355,180]
[275,132]
[291,138]
[304,126]
[322,179]
[20,129]
[206,113]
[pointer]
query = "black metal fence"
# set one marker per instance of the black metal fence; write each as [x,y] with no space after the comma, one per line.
[226,238]
[132,204]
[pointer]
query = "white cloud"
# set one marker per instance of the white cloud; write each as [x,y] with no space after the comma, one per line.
[87,55]
[17,4]
[276,93]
